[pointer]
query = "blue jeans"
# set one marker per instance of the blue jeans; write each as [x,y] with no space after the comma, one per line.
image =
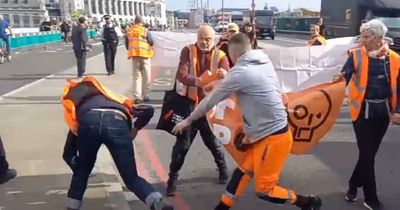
[6,39]
[108,128]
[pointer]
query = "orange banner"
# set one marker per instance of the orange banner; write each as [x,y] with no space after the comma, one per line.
[312,113]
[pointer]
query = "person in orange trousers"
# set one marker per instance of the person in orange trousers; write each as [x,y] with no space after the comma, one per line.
[267,139]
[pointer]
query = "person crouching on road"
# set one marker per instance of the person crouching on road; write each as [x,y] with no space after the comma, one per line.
[316,37]
[196,59]
[372,73]
[233,29]
[97,116]
[267,140]
[110,34]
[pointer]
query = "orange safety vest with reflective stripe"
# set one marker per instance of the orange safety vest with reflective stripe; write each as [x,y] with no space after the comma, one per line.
[191,91]
[358,83]
[138,45]
[75,93]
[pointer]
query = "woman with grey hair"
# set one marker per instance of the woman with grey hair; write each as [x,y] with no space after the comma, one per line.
[372,73]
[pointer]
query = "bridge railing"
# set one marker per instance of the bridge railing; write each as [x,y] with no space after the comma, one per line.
[40,38]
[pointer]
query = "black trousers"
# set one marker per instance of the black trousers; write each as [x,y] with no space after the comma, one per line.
[369,135]
[80,56]
[3,161]
[183,143]
[110,50]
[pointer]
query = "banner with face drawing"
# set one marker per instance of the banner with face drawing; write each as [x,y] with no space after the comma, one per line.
[311,114]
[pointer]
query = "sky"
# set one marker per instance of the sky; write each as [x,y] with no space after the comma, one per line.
[216,4]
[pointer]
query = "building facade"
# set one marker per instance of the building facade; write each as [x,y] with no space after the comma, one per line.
[24,13]
[152,11]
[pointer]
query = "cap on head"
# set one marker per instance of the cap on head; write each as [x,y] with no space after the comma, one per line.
[233,27]
[248,24]
[107,17]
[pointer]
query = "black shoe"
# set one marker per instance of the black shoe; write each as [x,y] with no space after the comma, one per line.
[171,188]
[373,205]
[315,203]
[222,206]
[223,176]
[351,195]
[8,175]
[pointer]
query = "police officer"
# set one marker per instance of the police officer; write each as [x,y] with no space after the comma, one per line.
[98,116]
[110,33]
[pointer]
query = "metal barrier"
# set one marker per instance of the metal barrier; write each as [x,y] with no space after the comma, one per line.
[41,38]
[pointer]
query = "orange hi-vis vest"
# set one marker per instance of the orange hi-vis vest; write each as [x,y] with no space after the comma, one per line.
[138,45]
[191,91]
[75,92]
[358,83]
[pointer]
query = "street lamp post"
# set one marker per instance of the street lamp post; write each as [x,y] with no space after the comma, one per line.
[253,18]
[223,15]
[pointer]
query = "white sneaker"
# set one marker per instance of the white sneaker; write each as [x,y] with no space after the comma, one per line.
[9,57]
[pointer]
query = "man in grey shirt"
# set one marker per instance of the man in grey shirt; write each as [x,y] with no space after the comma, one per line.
[267,140]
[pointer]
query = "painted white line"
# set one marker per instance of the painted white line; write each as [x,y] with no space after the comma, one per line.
[24,87]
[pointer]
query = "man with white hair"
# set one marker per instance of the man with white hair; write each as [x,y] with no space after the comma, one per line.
[372,73]
[4,25]
[196,59]
[267,139]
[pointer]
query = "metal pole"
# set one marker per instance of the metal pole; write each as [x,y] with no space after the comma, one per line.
[253,17]
[223,15]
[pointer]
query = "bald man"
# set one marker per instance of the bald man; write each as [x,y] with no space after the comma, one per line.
[195,59]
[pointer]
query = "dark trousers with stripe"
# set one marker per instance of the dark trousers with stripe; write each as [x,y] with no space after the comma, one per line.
[369,135]
[183,143]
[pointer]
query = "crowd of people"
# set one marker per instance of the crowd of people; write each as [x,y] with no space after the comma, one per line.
[372,73]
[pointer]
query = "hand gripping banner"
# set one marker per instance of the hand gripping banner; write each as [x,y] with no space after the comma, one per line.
[312,112]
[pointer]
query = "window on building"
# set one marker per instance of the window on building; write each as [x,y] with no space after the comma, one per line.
[6,17]
[16,22]
[106,3]
[15,1]
[145,8]
[114,10]
[5,1]
[140,9]
[100,7]
[135,8]
[125,8]
[119,8]
[26,21]
[93,4]
[36,20]
[25,1]
[130,9]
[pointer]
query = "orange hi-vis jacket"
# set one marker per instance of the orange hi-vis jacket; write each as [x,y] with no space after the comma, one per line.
[358,83]
[191,91]
[138,45]
[76,92]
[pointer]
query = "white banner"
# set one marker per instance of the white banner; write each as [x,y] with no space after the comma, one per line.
[297,67]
